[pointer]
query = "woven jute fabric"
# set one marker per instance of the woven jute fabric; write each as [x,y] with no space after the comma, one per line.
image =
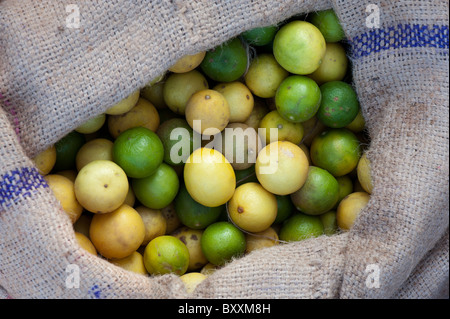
[54,77]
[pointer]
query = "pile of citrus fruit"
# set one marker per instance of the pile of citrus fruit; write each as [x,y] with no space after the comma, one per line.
[257,142]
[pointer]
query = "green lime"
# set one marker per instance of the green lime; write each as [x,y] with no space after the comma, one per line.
[245,175]
[138,151]
[319,194]
[193,214]
[337,150]
[301,226]
[166,255]
[157,190]
[177,138]
[329,222]
[298,98]
[285,208]
[328,24]
[221,242]
[299,47]
[260,36]
[66,151]
[227,62]
[339,105]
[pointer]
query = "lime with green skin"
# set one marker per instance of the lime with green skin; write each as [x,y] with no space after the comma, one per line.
[260,36]
[227,62]
[172,132]
[337,150]
[166,255]
[300,227]
[157,190]
[328,24]
[221,242]
[319,194]
[193,214]
[67,149]
[138,151]
[285,208]
[298,98]
[329,222]
[339,105]
[299,47]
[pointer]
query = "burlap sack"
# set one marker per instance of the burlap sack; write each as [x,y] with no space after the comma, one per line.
[54,77]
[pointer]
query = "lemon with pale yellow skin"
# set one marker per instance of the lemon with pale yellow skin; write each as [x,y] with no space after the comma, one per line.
[64,191]
[281,167]
[358,124]
[209,269]
[133,263]
[101,186]
[264,239]
[124,105]
[179,87]
[209,177]
[172,220]
[191,280]
[85,243]
[286,130]
[240,145]
[117,234]
[154,94]
[154,222]
[364,174]
[264,75]
[69,173]
[130,199]
[252,208]
[96,149]
[334,65]
[142,114]
[191,238]
[188,62]
[83,223]
[45,160]
[92,125]
[210,108]
[349,208]
[240,99]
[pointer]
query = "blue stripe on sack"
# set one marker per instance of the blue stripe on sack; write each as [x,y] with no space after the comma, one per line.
[400,36]
[18,184]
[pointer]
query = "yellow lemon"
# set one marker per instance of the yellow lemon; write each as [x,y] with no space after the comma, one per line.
[209,177]
[124,105]
[349,209]
[266,238]
[45,160]
[252,208]
[188,62]
[92,125]
[63,189]
[239,98]
[96,149]
[101,186]
[133,263]
[207,112]
[142,114]
[154,221]
[85,243]
[191,280]
[191,238]
[364,173]
[282,167]
[117,234]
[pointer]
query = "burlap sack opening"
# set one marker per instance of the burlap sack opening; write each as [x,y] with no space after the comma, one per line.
[53,78]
